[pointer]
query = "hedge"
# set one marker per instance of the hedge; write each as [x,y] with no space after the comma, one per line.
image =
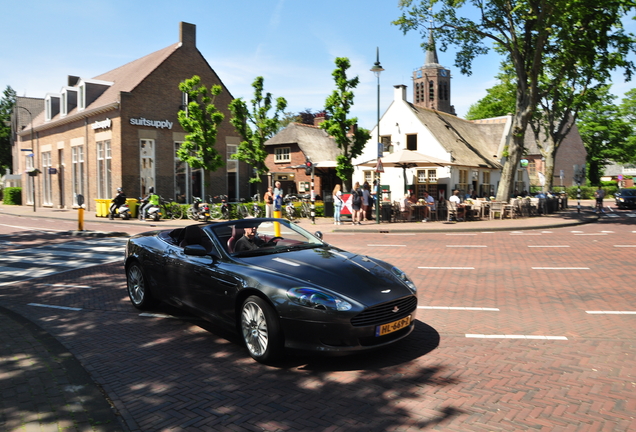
[13,196]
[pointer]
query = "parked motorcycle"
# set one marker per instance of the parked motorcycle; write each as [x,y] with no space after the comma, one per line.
[153,212]
[198,211]
[290,209]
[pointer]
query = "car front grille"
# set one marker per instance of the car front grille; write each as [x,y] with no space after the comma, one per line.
[385,312]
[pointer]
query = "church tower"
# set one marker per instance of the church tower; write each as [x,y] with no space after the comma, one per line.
[431,83]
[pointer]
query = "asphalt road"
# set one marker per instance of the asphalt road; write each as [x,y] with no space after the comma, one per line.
[516,330]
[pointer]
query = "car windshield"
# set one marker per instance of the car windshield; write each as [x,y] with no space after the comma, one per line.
[262,236]
[628,192]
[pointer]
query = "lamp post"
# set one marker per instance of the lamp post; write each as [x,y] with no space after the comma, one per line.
[377,69]
[33,153]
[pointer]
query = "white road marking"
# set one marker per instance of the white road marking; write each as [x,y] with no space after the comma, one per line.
[481,336]
[592,234]
[560,268]
[447,268]
[467,246]
[67,286]
[624,245]
[611,312]
[32,229]
[459,308]
[55,307]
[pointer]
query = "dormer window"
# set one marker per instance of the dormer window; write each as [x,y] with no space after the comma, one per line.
[68,100]
[81,96]
[51,106]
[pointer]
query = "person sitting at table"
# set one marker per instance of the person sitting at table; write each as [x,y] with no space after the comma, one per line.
[461,211]
[405,207]
[430,205]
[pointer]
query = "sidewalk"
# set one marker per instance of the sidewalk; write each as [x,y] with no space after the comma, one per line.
[563,218]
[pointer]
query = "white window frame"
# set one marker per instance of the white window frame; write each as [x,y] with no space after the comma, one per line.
[77,161]
[81,97]
[104,169]
[47,192]
[282,154]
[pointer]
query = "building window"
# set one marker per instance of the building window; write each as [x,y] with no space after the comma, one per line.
[282,154]
[463,181]
[147,168]
[519,184]
[104,176]
[47,196]
[427,176]
[77,159]
[431,90]
[386,144]
[411,142]
[232,172]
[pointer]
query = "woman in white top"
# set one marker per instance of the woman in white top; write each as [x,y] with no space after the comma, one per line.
[337,204]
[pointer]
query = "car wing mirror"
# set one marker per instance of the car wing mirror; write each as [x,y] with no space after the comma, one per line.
[318,234]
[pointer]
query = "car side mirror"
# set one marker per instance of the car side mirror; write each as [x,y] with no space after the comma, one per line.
[195,250]
[318,234]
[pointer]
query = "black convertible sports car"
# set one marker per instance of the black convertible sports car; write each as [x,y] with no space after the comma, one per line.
[625,198]
[275,284]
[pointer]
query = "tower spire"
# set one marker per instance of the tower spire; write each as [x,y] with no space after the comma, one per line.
[431,54]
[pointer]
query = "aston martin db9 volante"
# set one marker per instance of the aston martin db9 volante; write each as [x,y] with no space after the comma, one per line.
[275,284]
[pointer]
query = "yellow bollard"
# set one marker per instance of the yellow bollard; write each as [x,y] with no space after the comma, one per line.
[277,214]
[80,219]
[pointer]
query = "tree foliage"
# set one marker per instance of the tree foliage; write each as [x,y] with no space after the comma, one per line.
[201,121]
[535,36]
[256,127]
[499,100]
[7,104]
[606,134]
[349,138]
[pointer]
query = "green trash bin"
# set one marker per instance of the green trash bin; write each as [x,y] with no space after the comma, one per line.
[101,207]
[132,204]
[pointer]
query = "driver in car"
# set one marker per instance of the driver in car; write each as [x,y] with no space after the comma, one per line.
[249,241]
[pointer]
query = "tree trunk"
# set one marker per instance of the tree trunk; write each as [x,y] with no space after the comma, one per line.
[549,172]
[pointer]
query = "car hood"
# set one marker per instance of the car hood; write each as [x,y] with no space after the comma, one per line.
[362,278]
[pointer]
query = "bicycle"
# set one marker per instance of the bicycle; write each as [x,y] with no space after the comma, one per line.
[171,210]
[241,209]
[256,209]
[305,207]
[219,209]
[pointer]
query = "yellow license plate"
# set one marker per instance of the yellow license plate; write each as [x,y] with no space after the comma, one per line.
[391,327]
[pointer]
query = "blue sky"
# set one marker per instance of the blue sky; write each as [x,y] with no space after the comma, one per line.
[292,44]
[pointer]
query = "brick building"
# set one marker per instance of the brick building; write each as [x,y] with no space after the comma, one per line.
[121,129]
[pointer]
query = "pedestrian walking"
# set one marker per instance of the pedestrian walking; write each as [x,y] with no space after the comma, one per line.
[599,194]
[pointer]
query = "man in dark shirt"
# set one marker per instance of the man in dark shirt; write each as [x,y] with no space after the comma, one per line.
[249,241]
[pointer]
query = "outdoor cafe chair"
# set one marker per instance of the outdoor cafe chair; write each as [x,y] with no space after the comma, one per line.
[496,207]
[451,210]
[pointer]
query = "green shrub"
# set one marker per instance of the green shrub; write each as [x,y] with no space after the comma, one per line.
[13,196]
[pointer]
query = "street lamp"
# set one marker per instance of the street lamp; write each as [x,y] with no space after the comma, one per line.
[32,147]
[377,69]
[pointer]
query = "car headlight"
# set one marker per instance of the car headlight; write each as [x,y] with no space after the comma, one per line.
[404,278]
[316,299]
[621,199]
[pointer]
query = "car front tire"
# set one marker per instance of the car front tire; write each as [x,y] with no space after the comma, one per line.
[261,330]
[138,290]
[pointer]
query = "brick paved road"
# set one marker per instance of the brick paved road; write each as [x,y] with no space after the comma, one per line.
[560,368]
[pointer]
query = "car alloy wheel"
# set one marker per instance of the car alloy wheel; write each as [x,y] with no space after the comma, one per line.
[260,330]
[137,289]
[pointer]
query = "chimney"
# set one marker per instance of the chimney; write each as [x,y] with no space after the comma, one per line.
[187,34]
[319,118]
[399,94]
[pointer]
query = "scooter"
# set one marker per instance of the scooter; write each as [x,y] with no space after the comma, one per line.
[153,212]
[256,209]
[122,212]
[198,210]
[290,210]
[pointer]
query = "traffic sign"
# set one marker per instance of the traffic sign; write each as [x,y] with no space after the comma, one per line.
[379,168]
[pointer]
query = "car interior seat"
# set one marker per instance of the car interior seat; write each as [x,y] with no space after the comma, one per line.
[193,235]
[237,233]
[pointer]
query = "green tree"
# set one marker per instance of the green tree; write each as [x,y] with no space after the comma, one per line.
[606,135]
[252,148]
[499,100]
[7,103]
[201,121]
[349,138]
[530,34]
